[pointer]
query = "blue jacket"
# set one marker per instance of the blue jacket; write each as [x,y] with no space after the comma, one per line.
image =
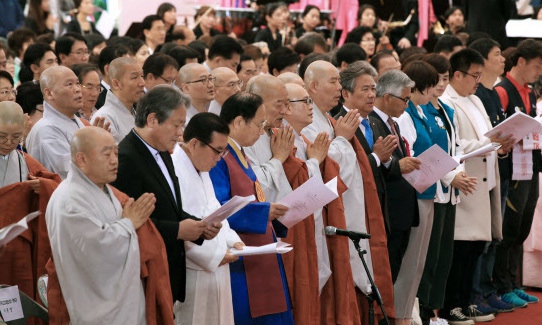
[11,16]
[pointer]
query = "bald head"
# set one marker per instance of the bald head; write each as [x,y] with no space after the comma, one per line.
[274,95]
[222,74]
[191,70]
[290,77]
[51,76]
[11,113]
[322,84]
[264,85]
[118,66]
[317,71]
[226,84]
[87,139]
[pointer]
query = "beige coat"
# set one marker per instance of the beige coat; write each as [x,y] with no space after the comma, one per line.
[478,216]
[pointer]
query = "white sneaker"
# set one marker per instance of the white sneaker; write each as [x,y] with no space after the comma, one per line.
[441,321]
[416,320]
[434,322]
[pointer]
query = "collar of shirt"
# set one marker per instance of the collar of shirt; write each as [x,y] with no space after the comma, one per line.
[153,151]
[49,111]
[6,157]
[521,88]
[105,85]
[361,127]
[383,116]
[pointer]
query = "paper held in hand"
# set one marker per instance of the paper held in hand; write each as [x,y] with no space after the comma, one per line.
[235,204]
[8,233]
[484,151]
[519,125]
[307,199]
[274,248]
[435,163]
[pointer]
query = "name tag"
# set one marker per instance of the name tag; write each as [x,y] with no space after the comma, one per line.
[10,304]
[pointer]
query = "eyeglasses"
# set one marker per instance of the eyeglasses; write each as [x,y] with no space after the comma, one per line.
[218,152]
[406,100]
[81,52]
[476,77]
[167,81]
[91,87]
[232,84]
[260,126]
[307,101]
[15,139]
[368,40]
[204,81]
[7,92]
[39,108]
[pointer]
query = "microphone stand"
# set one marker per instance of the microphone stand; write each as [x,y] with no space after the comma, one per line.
[375,294]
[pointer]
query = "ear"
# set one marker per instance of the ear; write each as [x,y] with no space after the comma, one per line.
[238,122]
[47,93]
[146,33]
[312,87]
[457,75]
[115,84]
[522,61]
[275,72]
[62,57]
[217,61]
[80,160]
[184,88]
[152,121]
[34,68]
[345,93]
[106,70]
[192,144]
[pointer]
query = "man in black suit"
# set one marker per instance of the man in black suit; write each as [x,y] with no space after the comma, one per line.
[145,165]
[358,92]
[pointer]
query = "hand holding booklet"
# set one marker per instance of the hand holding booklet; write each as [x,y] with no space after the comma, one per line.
[235,204]
[274,248]
[307,199]
[519,125]
[9,233]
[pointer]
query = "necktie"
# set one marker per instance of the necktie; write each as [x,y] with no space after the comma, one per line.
[368,132]
[391,122]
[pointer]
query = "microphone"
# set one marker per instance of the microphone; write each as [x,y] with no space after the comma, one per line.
[331,231]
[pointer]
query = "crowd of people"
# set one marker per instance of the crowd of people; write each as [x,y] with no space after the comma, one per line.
[126,145]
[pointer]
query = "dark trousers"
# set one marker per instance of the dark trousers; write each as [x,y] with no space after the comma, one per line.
[517,221]
[483,283]
[397,245]
[438,261]
[459,286]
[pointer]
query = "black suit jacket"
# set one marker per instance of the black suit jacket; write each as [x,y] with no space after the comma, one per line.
[377,171]
[401,198]
[139,173]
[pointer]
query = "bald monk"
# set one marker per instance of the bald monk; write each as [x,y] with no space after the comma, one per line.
[290,77]
[25,186]
[195,81]
[226,84]
[322,82]
[94,242]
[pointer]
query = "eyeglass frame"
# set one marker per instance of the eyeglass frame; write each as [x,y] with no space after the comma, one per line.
[476,77]
[261,127]
[5,92]
[204,81]
[406,100]
[4,140]
[81,52]
[94,87]
[307,101]
[221,154]
[167,81]
[232,84]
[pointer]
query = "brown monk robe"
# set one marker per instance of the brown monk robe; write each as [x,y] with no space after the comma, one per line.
[338,298]
[24,258]
[154,274]
[301,266]
[378,242]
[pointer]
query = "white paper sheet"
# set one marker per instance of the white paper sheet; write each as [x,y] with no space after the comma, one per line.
[10,303]
[478,152]
[519,125]
[274,248]
[307,199]
[528,28]
[435,163]
[8,233]
[235,204]
[106,24]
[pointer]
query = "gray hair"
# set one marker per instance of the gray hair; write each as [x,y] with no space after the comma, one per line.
[161,100]
[117,67]
[354,70]
[393,82]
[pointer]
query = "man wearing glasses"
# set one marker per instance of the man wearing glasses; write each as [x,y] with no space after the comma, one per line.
[71,49]
[227,83]
[195,81]
[127,86]
[160,69]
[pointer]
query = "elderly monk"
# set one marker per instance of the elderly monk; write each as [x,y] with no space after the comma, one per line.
[226,84]
[195,81]
[291,78]
[94,242]
[49,140]
[322,82]
[25,186]
[127,86]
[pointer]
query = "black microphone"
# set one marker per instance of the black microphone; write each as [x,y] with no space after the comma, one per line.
[331,231]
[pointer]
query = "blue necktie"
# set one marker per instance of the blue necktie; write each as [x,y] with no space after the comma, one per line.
[368,132]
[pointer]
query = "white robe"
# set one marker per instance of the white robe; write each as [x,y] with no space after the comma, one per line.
[49,140]
[342,152]
[122,120]
[208,289]
[96,254]
[268,170]
[215,107]
[13,169]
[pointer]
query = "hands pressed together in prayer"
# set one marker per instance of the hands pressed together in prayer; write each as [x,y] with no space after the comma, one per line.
[139,211]
[229,257]
[282,143]
[383,147]
[319,148]
[347,125]
[465,183]
[101,123]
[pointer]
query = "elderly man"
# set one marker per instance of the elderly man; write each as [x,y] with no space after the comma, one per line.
[227,83]
[49,139]
[290,77]
[86,233]
[127,85]
[20,188]
[145,165]
[195,81]
[204,143]
[254,301]
[323,85]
